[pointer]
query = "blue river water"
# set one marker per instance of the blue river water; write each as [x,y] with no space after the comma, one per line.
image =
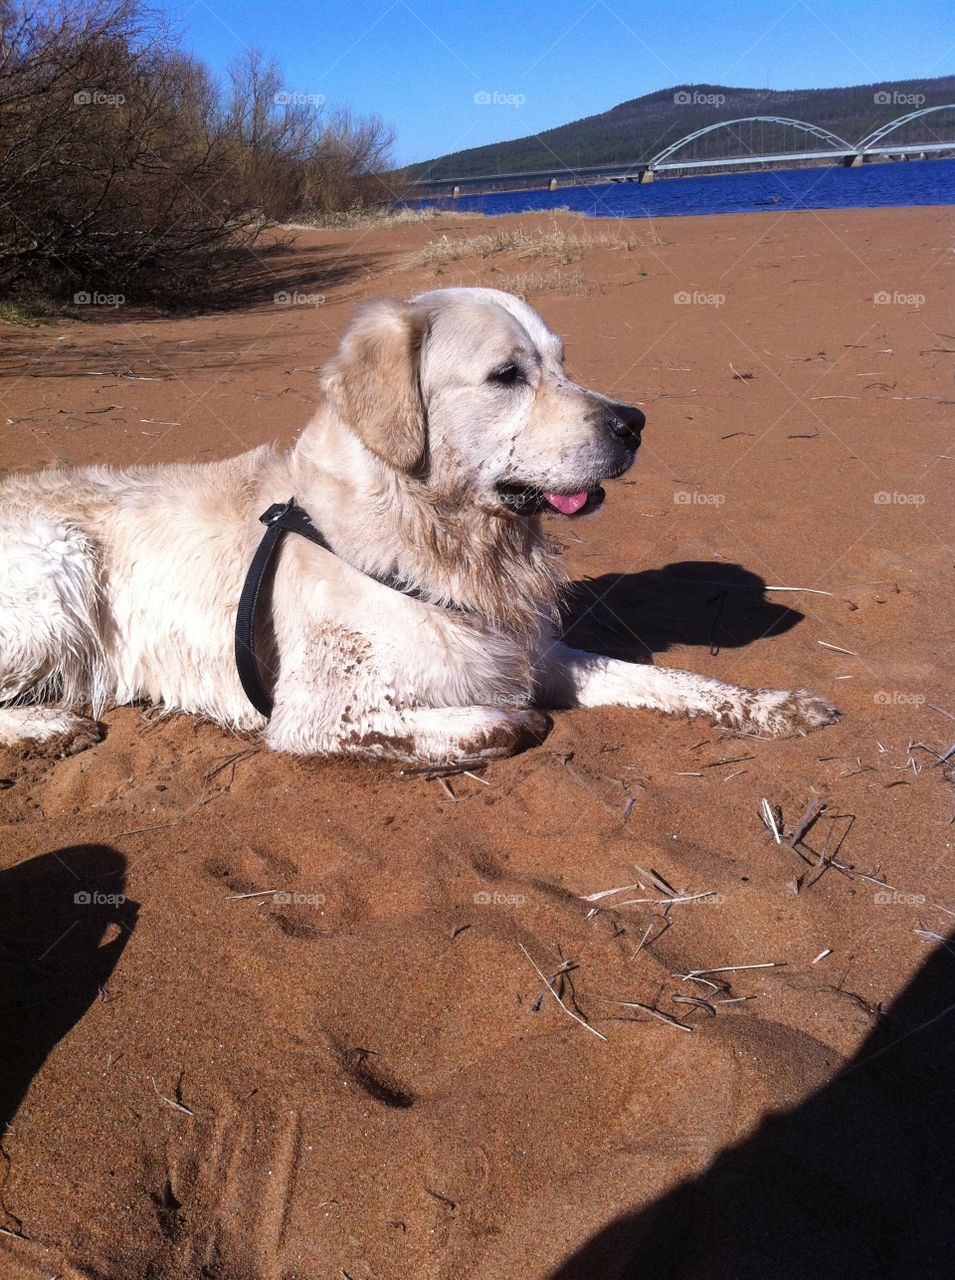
[892,183]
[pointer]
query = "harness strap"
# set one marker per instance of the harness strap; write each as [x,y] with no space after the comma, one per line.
[281,518]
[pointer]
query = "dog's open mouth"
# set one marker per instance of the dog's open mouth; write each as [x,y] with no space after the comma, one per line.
[526,500]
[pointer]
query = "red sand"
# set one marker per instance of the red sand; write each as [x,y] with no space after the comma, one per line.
[349,1078]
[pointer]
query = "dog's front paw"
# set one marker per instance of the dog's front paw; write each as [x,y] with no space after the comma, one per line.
[777,713]
[443,736]
[51,732]
[504,733]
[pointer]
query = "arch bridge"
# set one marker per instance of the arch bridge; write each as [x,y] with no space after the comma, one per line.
[752,146]
[740,144]
[756,140]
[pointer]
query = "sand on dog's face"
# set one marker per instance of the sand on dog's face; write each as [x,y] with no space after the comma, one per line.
[346,1072]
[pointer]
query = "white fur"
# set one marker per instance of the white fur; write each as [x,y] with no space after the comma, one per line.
[123,585]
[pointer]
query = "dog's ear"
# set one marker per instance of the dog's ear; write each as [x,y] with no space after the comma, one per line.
[373,380]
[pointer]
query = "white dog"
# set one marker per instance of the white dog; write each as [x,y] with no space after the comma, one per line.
[426,633]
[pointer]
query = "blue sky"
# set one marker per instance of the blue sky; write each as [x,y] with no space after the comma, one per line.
[420,63]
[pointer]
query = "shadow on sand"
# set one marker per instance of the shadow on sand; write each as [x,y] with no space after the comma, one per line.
[272,278]
[693,602]
[63,926]
[857,1183]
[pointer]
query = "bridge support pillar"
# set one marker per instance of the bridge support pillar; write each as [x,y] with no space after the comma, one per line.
[552,185]
[455,193]
[646,175]
[853,162]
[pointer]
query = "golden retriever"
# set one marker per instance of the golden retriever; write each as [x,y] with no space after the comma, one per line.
[446,425]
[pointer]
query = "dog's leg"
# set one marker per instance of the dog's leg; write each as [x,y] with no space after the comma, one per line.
[572,678]
[421,735]
[386,678]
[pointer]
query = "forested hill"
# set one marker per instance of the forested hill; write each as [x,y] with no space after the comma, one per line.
[638,129]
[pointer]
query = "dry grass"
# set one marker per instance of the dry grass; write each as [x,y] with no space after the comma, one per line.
[650,237]
[362,217]
[526,283]
[561,246]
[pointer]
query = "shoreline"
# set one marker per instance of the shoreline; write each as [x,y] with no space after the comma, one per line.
[934,186]
[717,213]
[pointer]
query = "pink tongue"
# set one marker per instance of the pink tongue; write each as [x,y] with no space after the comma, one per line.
[567,503]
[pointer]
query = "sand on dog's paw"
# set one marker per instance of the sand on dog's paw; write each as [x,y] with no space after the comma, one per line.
[448,736]
[511,732]
[778,713]
[48,733]
[82,735]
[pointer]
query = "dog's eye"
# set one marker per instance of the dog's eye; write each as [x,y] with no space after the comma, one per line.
[506,375]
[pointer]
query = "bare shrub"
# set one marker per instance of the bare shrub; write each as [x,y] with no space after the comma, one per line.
[125,169]
[294,162]
[347,166]
[114,171]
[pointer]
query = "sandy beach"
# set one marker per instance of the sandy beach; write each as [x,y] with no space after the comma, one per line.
[273,1018]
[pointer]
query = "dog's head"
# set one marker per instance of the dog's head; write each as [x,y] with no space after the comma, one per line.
[465,390]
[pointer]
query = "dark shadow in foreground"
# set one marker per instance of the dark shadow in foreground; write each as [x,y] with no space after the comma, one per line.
[693,602]
[857,1183]
[63,925]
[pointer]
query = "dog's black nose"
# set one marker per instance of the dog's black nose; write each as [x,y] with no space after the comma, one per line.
[625,422]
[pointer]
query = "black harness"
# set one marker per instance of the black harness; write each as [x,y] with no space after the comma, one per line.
[281,518]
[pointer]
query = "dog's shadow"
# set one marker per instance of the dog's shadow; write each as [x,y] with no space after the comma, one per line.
[694,602]
[856,1183]
[64,922]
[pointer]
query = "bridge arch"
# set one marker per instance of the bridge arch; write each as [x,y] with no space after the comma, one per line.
[878,135]
[831,140]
